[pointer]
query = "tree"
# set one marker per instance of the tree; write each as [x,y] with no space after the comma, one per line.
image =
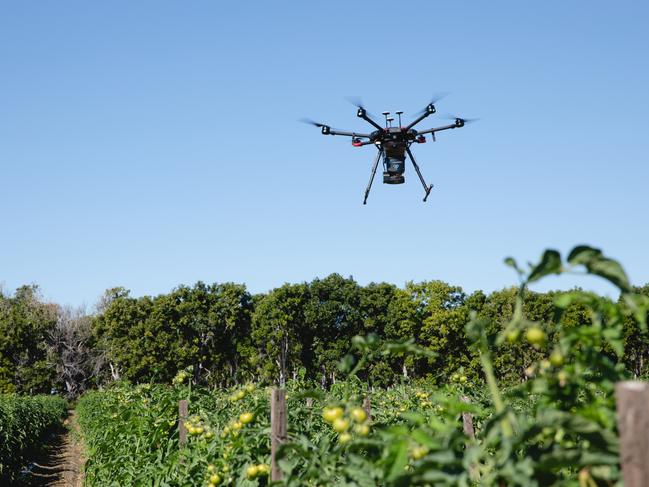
[636,341]
[332,317]
[279,332]
[153,338]
[25,323]
[71,351]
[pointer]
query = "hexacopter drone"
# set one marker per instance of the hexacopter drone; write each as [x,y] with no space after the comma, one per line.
[393,143]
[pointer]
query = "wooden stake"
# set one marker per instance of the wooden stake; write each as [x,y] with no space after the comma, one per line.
[632,399]
[278,429]
[467,421]
[367,406]
[183,412]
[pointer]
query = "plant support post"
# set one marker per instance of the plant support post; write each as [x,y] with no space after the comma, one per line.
[183,412]
[632,403]
[278,429]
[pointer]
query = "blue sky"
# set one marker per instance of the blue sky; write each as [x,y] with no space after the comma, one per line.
[148,144]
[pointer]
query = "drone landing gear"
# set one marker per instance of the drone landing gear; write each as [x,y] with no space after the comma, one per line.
[427,188]
[369,185]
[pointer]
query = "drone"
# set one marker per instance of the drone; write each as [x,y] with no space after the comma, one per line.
[393,143]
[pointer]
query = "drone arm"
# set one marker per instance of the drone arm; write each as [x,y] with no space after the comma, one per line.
[439,129]
[361,113]
[347,134]
[430,109]
[417,120]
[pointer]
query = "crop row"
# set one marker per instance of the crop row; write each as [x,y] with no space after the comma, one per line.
[557,426]
[25,423]
[132,432]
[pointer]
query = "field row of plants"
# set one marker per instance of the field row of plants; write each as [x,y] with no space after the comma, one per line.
[557,426]
[25,423]
[132,432]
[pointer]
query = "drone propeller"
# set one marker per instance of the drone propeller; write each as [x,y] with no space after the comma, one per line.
[460,120]
[437,97]
[312,122]
[358,103]
[326,129]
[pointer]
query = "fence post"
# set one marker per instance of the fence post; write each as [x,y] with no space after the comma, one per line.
[367,406]
[278,429]
[467,421]
[183,412]
[632,404]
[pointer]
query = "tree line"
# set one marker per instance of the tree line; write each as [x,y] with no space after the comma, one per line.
[225,335]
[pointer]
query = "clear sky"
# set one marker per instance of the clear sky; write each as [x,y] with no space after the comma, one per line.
[154,143]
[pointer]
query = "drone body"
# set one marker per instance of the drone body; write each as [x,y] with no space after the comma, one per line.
[393,144]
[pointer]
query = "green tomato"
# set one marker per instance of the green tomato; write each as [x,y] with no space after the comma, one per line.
[556,358]
[512,336]
[535,336]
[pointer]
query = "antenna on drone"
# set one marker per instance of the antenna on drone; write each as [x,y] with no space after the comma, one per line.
[399,115]
[390,120]
[385,114]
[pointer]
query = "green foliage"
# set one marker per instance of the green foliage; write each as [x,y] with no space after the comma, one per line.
[279,330]
[205,327]
[557,426]
[24,425]
[25,322]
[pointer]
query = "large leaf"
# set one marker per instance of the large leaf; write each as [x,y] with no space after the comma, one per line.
[397,460]
[550,264]
[596,263]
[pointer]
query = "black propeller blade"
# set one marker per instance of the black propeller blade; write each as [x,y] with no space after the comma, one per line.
[437,97]
[460,121]
[326,129]
[358,103]
[312,122]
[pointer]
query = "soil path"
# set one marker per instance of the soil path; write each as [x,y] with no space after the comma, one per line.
[63,460]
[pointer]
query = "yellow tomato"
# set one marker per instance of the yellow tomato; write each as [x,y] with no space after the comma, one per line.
[246,418]
[252,471]
[419,452]
[340,425]
[332,414]
[344,438]
[362,429]
[359,415]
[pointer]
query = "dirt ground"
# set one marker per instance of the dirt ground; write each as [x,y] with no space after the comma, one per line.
[62,463]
